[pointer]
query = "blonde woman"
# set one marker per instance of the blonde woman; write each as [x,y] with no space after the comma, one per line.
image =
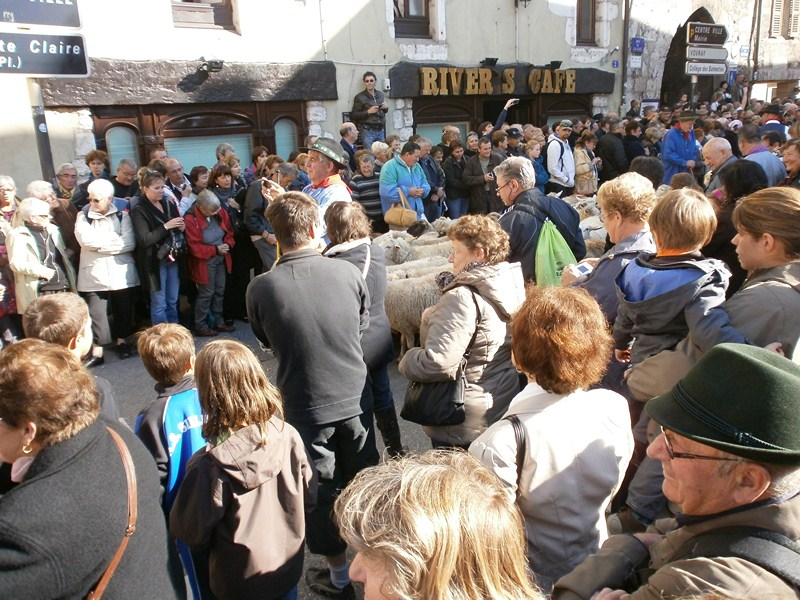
[437,526]
[253,477]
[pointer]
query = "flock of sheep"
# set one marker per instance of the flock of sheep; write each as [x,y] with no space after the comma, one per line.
[413,262]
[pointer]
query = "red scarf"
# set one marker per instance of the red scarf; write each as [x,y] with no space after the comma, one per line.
[331,180]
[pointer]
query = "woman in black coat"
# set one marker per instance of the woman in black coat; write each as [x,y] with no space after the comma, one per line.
[348,229]
[63,522]
[455,190]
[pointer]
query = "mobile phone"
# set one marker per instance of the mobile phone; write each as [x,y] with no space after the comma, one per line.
[584,268]
[491,174]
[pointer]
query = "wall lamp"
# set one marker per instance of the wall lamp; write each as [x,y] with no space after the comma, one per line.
[523,2]
[211,66]
[555,64]
[488,62]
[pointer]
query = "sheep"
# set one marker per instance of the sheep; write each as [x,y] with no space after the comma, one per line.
[403,251]
[431,237]
[595,248]
[442,224]
[387,239]
[416,268]
[405,301]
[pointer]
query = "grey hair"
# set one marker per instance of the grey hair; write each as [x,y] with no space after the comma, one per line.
[518,168]
[785,479]
[378,147]
[423,141]
[346,128]
[31,206]
[40,189]
[223,148]
[127,162]
[101,187]
[208,201]
[287,169]
[66,166]
[7,181]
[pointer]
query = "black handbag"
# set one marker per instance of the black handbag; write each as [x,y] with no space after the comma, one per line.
[441,402]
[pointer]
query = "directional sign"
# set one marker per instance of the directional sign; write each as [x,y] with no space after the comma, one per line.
[709,53]
[43,55]
[704,33]
[706,68]
[60,13]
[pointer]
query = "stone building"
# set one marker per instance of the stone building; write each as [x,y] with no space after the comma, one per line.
[185,76]
[762,43]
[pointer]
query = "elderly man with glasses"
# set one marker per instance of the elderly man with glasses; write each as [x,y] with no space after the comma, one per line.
[730,449]
[369,111]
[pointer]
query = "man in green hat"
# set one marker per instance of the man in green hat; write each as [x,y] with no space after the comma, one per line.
[730,448]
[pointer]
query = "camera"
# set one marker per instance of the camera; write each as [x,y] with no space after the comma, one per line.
[165,252]
[584,268]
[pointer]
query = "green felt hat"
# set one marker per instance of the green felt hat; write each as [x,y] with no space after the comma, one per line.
[330,148]
[740,399]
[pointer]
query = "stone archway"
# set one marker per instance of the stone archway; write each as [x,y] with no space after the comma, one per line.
[675,82]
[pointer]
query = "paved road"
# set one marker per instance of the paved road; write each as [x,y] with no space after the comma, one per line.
[133,390]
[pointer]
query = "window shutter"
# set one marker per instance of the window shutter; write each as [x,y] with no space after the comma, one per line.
[199,150]
[794,19]
[776,26]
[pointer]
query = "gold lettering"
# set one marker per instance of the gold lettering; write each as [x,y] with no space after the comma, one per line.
[443,91]
[472,82]
[456,75]
[508,82]
[570,86]
[535,81]
[547,82]
[559,85]
[485,84]
[429,86]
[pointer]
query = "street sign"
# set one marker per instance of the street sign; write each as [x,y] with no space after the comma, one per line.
[706,68]
[39,55]
[57,13]
[705,33]
[710,53]
[637,45]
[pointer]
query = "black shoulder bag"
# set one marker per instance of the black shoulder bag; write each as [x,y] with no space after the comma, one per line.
[441,402]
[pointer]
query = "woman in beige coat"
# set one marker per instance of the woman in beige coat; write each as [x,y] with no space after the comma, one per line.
[586,164]
[483,291]
[37,255]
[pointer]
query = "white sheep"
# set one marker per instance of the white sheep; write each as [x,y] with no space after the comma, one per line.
[387,239]
[416,268]
[403,251]
[426,239]
[442,224]
[405,301]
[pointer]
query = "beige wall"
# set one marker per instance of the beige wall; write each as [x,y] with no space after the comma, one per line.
[355,34]
[19,156]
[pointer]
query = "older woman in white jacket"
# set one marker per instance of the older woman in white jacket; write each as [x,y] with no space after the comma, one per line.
[108,267]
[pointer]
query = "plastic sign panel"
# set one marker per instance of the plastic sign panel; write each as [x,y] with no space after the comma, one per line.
[38,55]
[704,68]
[705,33]
[709,53]
[55,13]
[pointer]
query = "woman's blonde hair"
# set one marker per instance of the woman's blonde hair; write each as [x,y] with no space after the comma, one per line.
[234,391]
[442,527]
[630,194]
[481,231]
[775,211]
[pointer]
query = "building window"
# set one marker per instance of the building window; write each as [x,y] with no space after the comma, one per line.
[285,137]
[785,21]
[412,19]
[211,14]
[121,142]
[584,23]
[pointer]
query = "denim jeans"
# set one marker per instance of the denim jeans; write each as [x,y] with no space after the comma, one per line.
[369,136]
[433,210]
[164,302]
[457,207]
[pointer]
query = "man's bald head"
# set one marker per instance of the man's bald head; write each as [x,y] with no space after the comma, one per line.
[716,151]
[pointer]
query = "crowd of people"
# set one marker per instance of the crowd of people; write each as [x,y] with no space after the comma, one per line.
[651,392]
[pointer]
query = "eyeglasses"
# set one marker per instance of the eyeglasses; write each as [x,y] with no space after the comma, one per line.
[673,455]
[504,185]
[369,81]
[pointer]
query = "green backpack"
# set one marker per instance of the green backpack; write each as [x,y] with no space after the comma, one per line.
[552,255]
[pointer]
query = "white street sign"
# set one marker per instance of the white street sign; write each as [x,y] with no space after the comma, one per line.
[696,53]
[705,68]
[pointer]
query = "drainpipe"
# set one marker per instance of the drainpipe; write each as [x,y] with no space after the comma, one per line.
[756,46]
[322,39]
[626,18]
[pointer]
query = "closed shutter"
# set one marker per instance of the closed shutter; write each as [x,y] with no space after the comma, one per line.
[285,138]
[776,25]
[793,30]
[199,150]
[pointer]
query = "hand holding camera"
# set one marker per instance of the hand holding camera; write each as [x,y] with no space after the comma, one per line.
[176,223]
